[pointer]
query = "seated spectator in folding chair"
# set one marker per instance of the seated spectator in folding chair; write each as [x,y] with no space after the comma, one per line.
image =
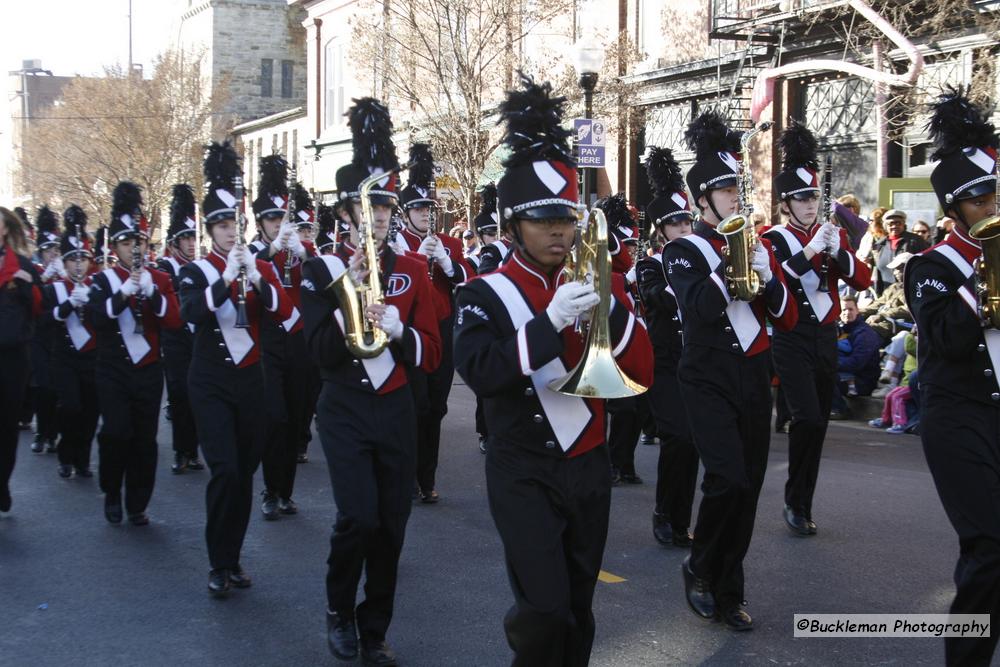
[888,314]
[857,359]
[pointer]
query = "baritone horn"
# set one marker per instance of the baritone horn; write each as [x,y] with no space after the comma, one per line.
[597,375]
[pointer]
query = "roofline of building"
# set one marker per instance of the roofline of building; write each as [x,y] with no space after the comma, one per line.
[273,119]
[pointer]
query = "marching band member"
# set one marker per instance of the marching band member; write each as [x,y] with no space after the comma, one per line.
[226,383]
[546,463]
[326,237]
[494,238]
[724,372]
[487,223]
[959,356]
[285,360]
[129,305]
[75,351]
[810,252]
[449,269]
[20,303]
[366,416]
[178,343]
[43,339]
[669,213]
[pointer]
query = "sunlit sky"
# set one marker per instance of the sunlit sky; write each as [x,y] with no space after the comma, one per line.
[83,36]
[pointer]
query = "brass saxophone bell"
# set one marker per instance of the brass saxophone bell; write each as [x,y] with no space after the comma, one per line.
[987,232]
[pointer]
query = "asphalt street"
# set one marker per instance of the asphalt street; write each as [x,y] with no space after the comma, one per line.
[76,590]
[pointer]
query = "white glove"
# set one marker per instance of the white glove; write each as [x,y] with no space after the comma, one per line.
[249,261]
[79,296]
[833,239]
[391,324]
[761,263]
[821,241]
[428,247]
[233,265]
[146,284]
[398,245]
[630,276]
[297,248]
[569,302]
[55,268]
[443,260]
[284,238]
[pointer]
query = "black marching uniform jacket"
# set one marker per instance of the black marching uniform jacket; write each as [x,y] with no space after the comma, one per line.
[177,346]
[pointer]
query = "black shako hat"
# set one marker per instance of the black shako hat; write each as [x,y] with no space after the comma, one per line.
[272,188]
[47,228]
[305,212]
[966,145]
[127,218]
[74,239]
[327,219]
[540,180]
[670,200]
[221,169]
[487,220]
[100,243]
[716,149]
[374,153]
[618,213]
[799,175]
[416,194]
[182,216]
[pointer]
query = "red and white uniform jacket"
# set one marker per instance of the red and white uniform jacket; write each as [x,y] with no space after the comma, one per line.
[407,287]
[444,285]
[803,275]
[507,351]
[210,305]
[711,318]
[79,334]
[113,315]
[294,323]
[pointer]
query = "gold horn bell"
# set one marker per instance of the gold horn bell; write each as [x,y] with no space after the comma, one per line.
[597,375]
[987,232]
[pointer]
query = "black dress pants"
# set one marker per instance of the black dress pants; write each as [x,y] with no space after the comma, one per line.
[44,393]
[728,402]
[176,365]
[14,371]
[961,440]
[287,385]
[78,408]
[229,413]
[677,466]
[129,397]
[369,442]
[431,395]
[552,516]
[626,426]
[806,362]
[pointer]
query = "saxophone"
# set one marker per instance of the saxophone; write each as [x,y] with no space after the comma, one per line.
[741,238]
[987,232]
[363,338]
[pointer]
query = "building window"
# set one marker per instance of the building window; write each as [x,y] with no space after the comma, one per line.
[665,126]
[266,77]
[840,110]
[333,62]
[287,67]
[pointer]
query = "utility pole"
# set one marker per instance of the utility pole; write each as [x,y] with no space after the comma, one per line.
[130,37]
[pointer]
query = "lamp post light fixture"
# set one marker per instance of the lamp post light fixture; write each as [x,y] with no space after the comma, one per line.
[589,59]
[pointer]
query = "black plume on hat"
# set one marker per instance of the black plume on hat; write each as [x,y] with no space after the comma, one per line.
[74,219]
[619,216]
[126,212]
[487,218]
[221,168]
[799,175]
[966,145]
[667,182]
[272,186]
[534,125]
[47,228]
[327,221]
[304,211]
[716,148]
[371,131]
[74,239]
[182,219]
[421,176]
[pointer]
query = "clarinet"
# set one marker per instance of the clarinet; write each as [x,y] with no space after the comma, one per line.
[79,276]
[241,282]
[432,223]
[826,204]
[137,267]
[286,278]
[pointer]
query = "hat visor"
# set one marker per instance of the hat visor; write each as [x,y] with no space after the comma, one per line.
[547,212]
[978,190]
[803,196]
[728,182]
[382,200]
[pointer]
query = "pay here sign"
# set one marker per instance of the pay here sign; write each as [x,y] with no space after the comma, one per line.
[589,136]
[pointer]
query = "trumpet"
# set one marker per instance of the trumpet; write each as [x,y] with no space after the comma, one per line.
[741,237]
[364,339]
[597,375]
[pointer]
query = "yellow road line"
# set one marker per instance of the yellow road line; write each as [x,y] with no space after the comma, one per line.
[609,578]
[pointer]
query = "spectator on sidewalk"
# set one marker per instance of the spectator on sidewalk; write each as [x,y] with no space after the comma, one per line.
[857,363]
[896,243]
[900,411]
[847,214]
[923,230]
[888,313]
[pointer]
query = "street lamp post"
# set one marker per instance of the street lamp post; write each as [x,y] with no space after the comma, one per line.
[589,59]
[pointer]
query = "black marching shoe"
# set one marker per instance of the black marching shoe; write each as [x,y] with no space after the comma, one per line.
[378,654]
[113,509]
[699,595]
[138,519]
[796,522]
[5,500]
[51,447]
[84,472]
[482,444]
[218,582]
[341,636]
[811,525]
[630,478]
[269,506]
[302,458]
[662,530]
[682,539]
[239,578]
[287,506]
[65,470]
[38,444]
[194,463]
[736,618]
[180,463]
